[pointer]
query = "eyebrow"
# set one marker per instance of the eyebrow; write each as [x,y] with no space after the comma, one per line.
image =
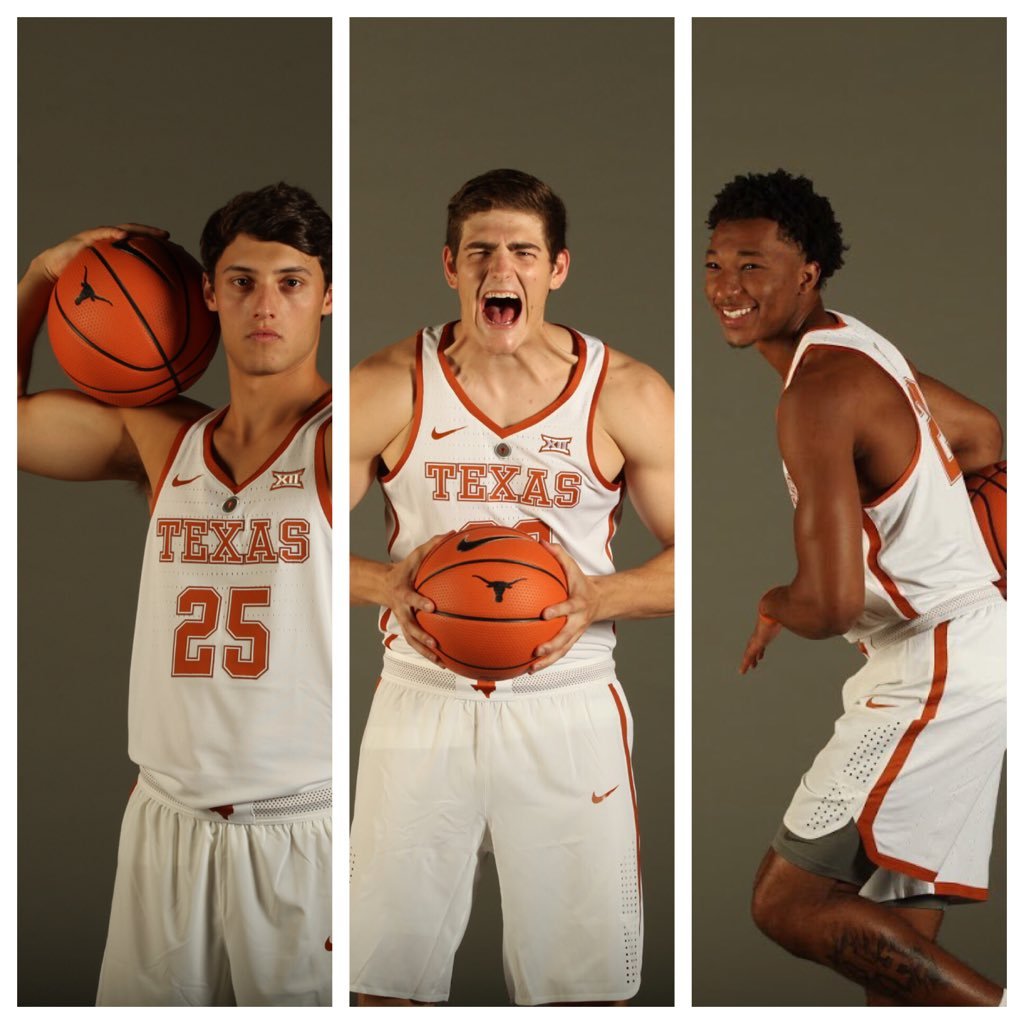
[237,268]
[490,246]
[741,252]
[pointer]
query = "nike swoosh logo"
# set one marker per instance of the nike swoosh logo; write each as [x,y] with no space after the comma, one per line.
[438,434]
[600,799]
[877,706]
[178,482]
[471,545]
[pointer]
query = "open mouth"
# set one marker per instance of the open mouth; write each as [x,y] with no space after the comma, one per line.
[502,308]
[734,315]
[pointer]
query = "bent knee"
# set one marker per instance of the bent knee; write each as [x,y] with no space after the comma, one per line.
[787,899]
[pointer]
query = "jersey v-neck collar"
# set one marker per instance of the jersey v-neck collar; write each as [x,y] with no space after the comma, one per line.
[578,350]
[218,470]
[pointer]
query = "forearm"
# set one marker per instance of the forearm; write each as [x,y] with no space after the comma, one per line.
[647,591]
[809,617]
[33,298]
[367,580]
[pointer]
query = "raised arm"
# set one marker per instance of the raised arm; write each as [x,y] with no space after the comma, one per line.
[65,434]
[972,431]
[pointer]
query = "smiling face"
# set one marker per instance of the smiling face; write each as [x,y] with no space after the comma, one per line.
[758,282]
[270,298]
[503,273]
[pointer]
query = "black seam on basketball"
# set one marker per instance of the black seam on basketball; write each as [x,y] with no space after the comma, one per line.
[92,344]
[124,245]
[485,618]
[993,531]
[138,312]
[493,561]
[183,292]
[489,667]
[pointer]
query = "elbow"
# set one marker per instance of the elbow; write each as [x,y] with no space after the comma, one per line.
[840,614]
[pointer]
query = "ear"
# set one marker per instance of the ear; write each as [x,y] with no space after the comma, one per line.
[328,301]
[450,274]
[809,276]
[560,269]
[207,294]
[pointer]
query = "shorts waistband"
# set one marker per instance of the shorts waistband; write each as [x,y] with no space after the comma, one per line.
[955,607]
[313,803]
[522,686]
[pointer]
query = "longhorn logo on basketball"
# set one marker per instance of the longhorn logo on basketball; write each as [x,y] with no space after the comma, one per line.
[499,587]
[88,293]
[287,479]
[559,445]
[501,483]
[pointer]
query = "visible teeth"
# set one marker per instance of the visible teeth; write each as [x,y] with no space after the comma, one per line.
[734,314]
[500,294]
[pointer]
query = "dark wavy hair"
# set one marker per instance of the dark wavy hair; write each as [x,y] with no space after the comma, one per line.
[277,213]
[508,190]
[802,216]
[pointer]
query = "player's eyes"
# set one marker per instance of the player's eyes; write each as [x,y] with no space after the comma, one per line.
[293,282]
[241,282]
[750,266]
[711,266]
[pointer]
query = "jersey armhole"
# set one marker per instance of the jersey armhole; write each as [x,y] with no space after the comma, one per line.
[171,455]
[321,469]
[417,414]
[612,485]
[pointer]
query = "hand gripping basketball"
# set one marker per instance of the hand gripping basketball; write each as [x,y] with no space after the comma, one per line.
[489,586]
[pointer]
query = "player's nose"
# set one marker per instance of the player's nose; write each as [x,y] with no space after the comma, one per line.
[264,301]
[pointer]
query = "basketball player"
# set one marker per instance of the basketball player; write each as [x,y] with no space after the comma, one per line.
[893,820]
[222,893]
[505,417]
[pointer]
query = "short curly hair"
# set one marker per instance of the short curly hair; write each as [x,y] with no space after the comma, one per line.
[802,216]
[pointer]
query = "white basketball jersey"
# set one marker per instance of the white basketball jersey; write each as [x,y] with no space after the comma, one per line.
[460,467]
[230,671]
[921,542]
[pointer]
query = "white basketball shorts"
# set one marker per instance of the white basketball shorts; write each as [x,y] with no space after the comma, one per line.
[542,779]
[208,910]
[916,759]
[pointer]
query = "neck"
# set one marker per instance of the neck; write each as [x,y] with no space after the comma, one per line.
[780,350]
[262,403]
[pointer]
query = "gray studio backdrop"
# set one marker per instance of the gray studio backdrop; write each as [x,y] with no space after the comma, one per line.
[587,106]
[159,121]
[901,123]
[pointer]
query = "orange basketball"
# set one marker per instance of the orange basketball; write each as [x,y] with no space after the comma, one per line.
[128,323]
[489,585]
[989,490]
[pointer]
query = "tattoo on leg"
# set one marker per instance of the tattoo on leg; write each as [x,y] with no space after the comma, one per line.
[885,966]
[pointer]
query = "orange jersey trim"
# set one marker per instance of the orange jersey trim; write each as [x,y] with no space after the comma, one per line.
[171,455]
[962,891]
[322,471]
[632,785]
[214,466]
[898,759]
[579,347]
[417,415]
[880,574]
[607,484]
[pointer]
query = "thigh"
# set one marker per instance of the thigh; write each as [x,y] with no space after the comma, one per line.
[164,946]
[276,911]
[563,818]
[416,836]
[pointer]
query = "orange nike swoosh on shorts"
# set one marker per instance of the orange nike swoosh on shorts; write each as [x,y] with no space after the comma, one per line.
[600,799]
[438,434]
[874,706]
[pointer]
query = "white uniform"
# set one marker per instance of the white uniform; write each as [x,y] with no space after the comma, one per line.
[916,757]
[230,723]
[536,767]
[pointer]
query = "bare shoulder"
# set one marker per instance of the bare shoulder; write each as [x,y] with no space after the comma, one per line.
[833,380]
[382,390]
[155,428]
[634,397]
[386,375]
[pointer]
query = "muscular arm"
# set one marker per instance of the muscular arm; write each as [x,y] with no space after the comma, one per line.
[636,416]
[972,431]
[639,418]
[817,436]
[64,434]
